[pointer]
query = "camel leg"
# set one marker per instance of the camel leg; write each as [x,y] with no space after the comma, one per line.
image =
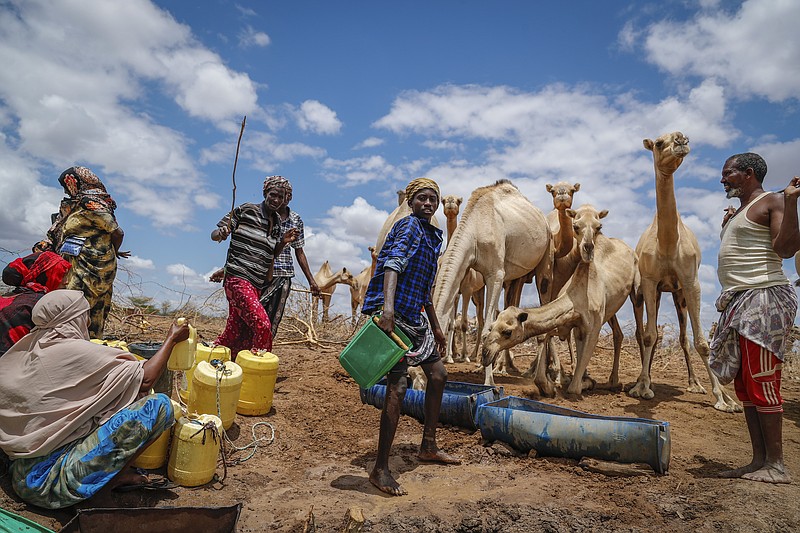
[541,379]
[680,308]
[584,347]
[651,302]
[478,300]
[326,306]
[494,284]
[725,402]
[616,332]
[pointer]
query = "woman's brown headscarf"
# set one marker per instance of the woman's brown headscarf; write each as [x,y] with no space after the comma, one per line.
[55,385]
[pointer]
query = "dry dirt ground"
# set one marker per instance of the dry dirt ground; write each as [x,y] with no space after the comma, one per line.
[325,441]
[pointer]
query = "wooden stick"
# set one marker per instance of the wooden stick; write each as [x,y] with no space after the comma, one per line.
[308,291]
[233,177]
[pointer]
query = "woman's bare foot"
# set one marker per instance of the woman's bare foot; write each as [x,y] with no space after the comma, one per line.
[127,476]
[438,456]
[769,474]
[739,472]
[384,481]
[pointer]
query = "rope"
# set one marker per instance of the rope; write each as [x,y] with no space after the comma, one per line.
[221,371]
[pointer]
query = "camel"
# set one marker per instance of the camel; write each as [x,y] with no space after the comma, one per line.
[503,236]
[669,258]
[606,275]
[402,210]
[797,266]
[471,289]
[326,281]
[558,220]
[359,284]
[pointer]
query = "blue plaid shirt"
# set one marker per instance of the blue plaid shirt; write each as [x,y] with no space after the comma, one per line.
[284,264]
[412,249]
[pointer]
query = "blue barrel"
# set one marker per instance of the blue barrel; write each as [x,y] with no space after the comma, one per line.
[459,401]
[148,350]
[557,431]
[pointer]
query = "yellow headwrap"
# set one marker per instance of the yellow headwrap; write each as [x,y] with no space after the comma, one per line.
[418,184]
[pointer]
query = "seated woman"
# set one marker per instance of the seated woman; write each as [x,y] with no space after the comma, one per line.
[75,414]
[33,276]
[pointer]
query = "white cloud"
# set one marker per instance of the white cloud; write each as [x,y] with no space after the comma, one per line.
[250,37]
[139,263]
[732,47]
[361,170]
[443,145]
[94,62]
[318,118]
[370,142]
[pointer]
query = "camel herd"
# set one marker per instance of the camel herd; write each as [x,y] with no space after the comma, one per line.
[581,276]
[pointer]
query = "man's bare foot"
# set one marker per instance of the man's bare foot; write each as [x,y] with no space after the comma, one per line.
[769,474]
[739,472]
[386,483]
[438,456]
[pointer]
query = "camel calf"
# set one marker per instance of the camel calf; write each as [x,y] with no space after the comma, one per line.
[605,277]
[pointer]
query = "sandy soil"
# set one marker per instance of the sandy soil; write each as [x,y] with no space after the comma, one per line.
[325,441]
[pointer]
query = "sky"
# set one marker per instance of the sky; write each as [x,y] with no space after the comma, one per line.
[352,100]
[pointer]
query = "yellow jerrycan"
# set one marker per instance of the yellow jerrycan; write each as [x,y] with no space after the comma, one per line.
[122,345]
[193,457]
[182,356]
[215,390]
[155,455]
[259,372]
[204,352]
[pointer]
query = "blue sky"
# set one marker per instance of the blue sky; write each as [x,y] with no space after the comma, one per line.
[350,100]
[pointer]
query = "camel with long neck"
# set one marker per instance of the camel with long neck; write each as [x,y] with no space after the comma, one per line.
[358,284]
[605,277]
[669,259]
[503,237]
[471,289]
[326,280]
[401,211]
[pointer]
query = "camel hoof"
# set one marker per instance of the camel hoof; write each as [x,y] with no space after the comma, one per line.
[641,391]
[728,405]
[696,388]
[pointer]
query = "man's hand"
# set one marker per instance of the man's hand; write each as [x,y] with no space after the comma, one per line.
[441,342]
[314,288]
[289,236]
[217,276]
[729,212]
[793,189]
[386,322]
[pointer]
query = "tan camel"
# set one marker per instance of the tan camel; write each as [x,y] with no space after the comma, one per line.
[606,275]
[471,289]
[359,284]
[669,258]
[326,281]
[503,237]
[797,267]
[560,223]
[402,210]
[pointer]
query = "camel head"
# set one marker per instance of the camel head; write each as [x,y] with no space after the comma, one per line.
[586,224]
[373,253]
[562,194]
[668,151]
[450,205]
[507,331]
[401,196]
[347,277]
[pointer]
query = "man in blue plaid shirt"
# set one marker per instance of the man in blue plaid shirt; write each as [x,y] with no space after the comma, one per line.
[400,290]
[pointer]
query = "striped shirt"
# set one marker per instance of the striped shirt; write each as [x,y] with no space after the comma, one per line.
[251,248]
[284,264]
[411,248]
